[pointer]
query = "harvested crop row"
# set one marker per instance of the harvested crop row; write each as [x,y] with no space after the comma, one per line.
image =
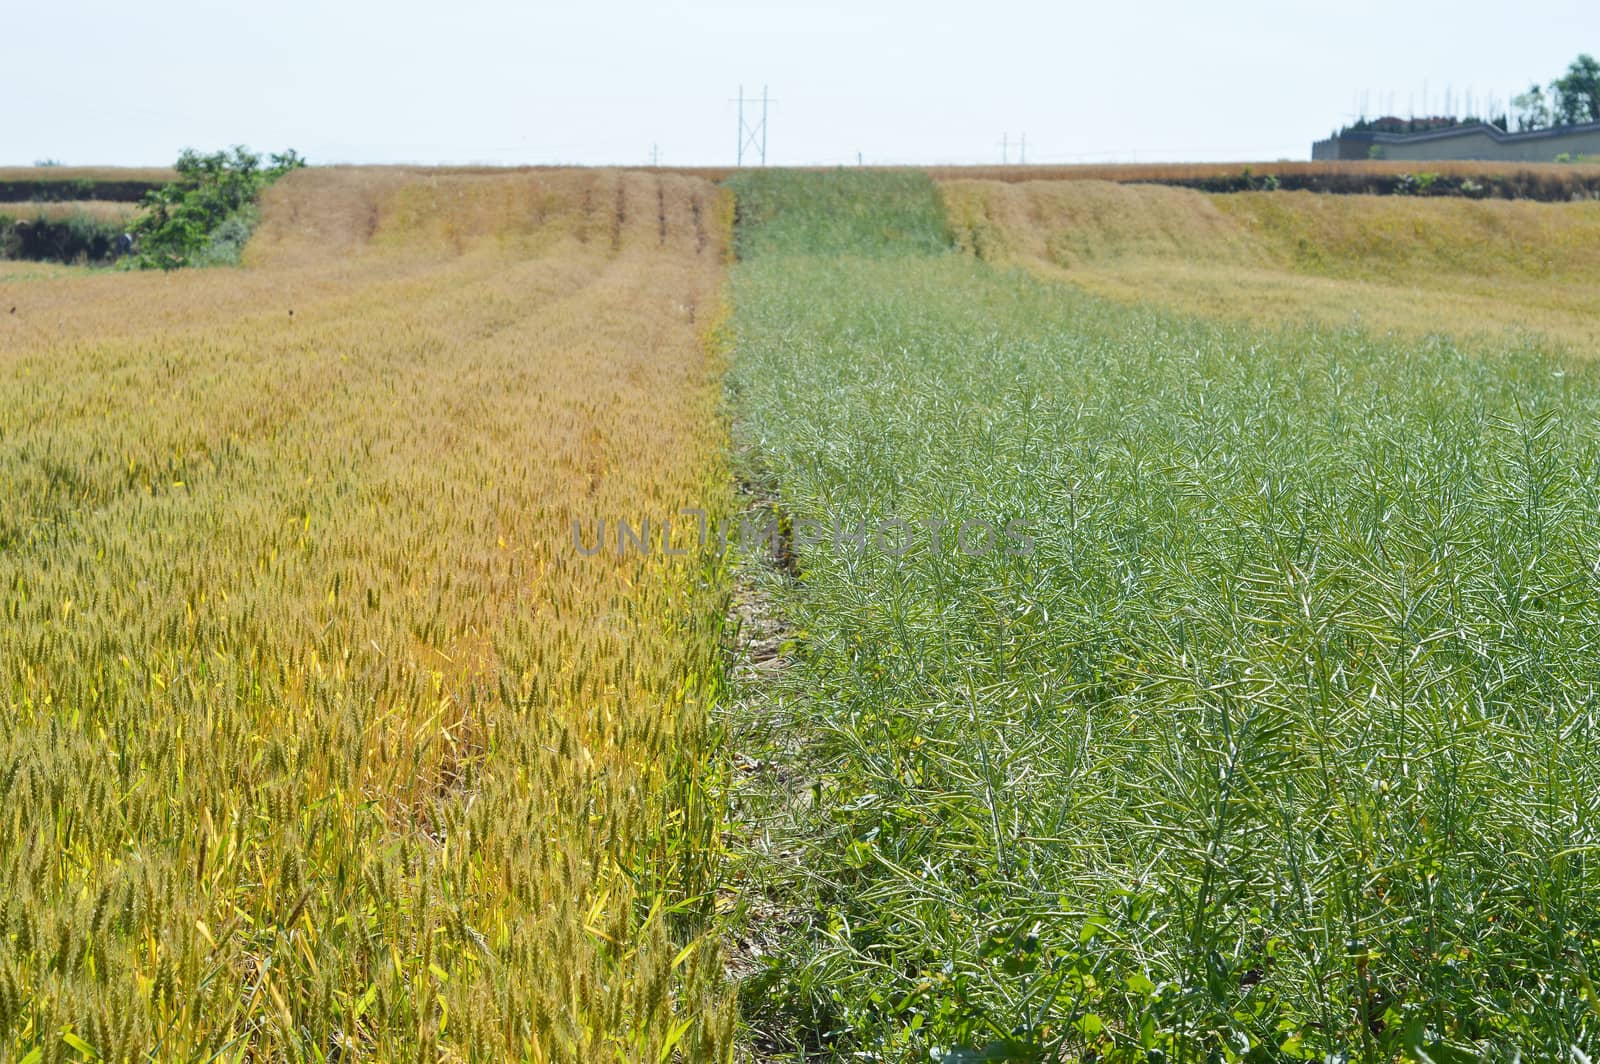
[319,737]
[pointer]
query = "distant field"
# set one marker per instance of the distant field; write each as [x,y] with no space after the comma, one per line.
[1549,182]
[100,210]
[124,184]
[1545,181]
[86,173]
[1497,270]
[1163,172]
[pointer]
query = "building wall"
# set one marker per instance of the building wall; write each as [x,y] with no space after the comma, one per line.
[1471,143]
[1479,145]
[1325,150]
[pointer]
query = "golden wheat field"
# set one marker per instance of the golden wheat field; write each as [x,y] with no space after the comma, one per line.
[320,741]
[1495,271]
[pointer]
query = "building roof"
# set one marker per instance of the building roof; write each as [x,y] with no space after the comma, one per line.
[1495,133]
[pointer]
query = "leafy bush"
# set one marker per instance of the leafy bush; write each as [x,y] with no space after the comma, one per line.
[185,220]
[226,244]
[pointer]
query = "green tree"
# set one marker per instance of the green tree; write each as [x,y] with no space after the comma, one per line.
[180,217]
[1532,109]
[1577,94]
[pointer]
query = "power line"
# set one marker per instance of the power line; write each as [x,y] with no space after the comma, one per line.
[753,134]
[1005,150]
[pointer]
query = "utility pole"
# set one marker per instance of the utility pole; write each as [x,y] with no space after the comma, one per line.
[1022,157]
[753,135]
[1005,149]
[655,155]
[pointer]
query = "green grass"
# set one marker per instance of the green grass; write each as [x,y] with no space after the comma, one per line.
[844,212]
[1281,743]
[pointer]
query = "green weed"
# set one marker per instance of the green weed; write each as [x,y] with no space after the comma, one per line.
[1280,744]
[842,212]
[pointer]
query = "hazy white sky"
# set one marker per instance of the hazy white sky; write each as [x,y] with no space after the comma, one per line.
[113,81]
